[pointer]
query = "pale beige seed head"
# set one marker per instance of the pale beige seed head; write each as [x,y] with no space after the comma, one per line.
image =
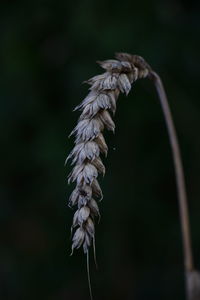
[95,116]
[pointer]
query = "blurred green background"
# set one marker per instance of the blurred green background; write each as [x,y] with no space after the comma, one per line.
[48,48]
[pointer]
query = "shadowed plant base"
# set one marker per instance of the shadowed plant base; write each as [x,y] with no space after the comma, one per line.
[119,75]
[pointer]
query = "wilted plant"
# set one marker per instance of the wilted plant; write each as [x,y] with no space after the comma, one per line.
[89,144]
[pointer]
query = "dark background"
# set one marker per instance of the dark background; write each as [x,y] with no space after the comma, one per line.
[48,48]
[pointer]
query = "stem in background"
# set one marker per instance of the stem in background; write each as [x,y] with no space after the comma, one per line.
[182,197]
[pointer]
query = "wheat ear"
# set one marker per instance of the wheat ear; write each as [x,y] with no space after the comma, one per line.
[89,143]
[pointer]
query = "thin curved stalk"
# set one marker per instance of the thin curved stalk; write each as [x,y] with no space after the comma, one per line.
[192,277]
[180,181]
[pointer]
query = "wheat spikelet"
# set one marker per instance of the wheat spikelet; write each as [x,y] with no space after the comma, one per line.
[90,143]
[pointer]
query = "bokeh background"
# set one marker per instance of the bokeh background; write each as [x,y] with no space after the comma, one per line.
[48,48]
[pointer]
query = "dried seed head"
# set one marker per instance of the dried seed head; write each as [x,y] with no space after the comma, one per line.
[89,141]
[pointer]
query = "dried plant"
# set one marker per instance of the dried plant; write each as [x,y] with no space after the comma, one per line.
[95,109]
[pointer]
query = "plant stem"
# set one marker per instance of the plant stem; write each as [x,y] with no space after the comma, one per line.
[182,197]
